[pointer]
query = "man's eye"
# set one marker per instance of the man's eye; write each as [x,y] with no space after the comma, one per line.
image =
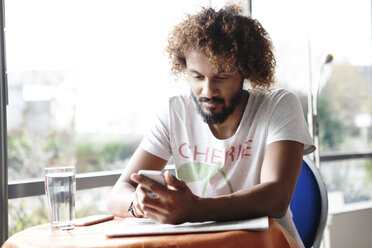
[197,76]
[221,78]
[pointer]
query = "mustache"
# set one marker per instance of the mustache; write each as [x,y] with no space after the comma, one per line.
[212,100]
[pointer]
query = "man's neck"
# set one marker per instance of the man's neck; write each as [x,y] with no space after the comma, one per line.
[228,128]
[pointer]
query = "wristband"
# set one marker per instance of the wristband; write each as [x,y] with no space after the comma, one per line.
[131,210]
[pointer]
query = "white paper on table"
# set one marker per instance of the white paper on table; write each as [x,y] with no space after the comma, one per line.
[143,226]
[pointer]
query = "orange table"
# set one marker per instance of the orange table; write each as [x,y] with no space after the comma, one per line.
[94,236]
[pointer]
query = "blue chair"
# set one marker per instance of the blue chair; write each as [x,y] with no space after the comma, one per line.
[309,205]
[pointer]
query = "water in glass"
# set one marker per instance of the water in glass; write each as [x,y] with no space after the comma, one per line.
[60,187]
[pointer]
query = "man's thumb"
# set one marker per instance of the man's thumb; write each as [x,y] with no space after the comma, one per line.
[173,181]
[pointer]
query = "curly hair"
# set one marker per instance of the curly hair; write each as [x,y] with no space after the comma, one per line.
[241,41]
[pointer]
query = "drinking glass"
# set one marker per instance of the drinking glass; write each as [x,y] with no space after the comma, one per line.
[60,188]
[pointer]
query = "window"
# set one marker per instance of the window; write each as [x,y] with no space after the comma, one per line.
[304,33]
[84,77]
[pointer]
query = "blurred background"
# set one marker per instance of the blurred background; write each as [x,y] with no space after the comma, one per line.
[85,76]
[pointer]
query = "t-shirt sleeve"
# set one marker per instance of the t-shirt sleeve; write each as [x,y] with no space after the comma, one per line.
[157,140]
[288,122]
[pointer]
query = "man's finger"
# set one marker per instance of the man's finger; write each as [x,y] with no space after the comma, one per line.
[149,184]
[136,206]
[173,181]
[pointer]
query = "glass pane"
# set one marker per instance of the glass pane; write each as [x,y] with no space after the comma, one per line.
[348,181]
[31,211]
[84,78]
[288,32]
[325,46]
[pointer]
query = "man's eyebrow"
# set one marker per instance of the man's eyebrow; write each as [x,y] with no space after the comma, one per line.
[224,72]
[194,71]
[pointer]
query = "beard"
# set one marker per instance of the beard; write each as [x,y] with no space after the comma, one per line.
[227,110]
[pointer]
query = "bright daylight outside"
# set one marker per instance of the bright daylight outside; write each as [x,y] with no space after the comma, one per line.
[304,33]
[85,77]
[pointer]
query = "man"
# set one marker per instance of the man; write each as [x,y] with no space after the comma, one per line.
[237,152]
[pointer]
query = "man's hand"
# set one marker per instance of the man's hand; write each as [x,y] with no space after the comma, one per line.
[175,202]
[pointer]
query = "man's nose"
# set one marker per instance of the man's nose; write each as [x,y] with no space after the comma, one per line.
[209,88]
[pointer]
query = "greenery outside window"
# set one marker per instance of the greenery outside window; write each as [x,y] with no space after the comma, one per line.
[84,77]
[304,34]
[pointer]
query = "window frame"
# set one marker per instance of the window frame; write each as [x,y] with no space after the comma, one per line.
[3,133]
[35,187]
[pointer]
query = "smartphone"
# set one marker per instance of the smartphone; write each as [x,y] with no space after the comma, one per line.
[155,175]
[93,219]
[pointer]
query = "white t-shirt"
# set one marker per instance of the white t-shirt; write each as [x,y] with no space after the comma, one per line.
[212,166]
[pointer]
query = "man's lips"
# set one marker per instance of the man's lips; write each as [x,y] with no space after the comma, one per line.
[211,104]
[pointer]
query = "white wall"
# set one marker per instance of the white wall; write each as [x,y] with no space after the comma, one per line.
[350,227]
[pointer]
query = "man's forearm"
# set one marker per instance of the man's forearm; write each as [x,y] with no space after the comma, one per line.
[119,199]
[267,199]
